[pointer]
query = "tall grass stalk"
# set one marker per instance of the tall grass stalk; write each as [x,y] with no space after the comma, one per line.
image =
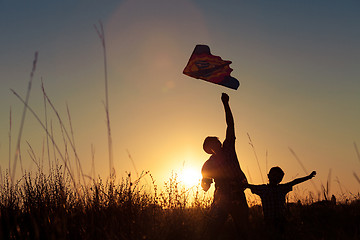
[356,177]
[133,163]
[46,126]
[33,157]
[266,162]
[79,167]
[256,157]
[304,169]
[66,135]
[357,151]
[92,171]
[326,189]
[17,152]
[101,35]
[358,156]
[10,128]
[48,134]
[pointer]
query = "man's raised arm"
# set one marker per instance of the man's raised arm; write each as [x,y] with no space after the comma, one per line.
[230,130]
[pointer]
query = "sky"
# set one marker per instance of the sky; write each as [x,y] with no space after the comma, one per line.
[297,63]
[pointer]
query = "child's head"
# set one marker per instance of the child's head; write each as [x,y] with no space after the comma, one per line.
[212,145]
[275,175]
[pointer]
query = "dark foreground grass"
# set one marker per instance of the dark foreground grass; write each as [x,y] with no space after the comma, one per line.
[48,207]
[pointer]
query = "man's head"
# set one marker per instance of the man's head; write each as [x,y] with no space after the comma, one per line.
[275,175]
[212,145]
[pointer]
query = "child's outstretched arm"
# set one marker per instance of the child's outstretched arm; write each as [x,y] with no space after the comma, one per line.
[303,179]
[256,189]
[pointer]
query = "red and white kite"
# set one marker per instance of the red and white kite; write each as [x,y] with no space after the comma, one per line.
[203,65]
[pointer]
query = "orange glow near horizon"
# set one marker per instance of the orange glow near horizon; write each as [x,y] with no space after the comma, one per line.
[190,177]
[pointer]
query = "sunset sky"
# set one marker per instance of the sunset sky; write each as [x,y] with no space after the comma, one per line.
[297,62]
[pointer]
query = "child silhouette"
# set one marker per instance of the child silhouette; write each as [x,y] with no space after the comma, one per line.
[273,199]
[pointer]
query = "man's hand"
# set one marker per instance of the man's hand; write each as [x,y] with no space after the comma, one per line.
[205,184]
[225,98]
[311,175]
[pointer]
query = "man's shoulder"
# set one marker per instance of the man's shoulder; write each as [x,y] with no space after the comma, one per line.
[208,163]
[229,140]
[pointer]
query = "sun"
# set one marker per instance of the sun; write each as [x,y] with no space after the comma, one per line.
[190,177]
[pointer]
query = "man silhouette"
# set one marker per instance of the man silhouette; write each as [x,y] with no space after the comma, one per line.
[223,168]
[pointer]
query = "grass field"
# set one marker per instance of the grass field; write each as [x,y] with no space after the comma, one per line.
[49,207]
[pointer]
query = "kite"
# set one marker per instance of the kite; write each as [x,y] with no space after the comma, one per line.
[203,65]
